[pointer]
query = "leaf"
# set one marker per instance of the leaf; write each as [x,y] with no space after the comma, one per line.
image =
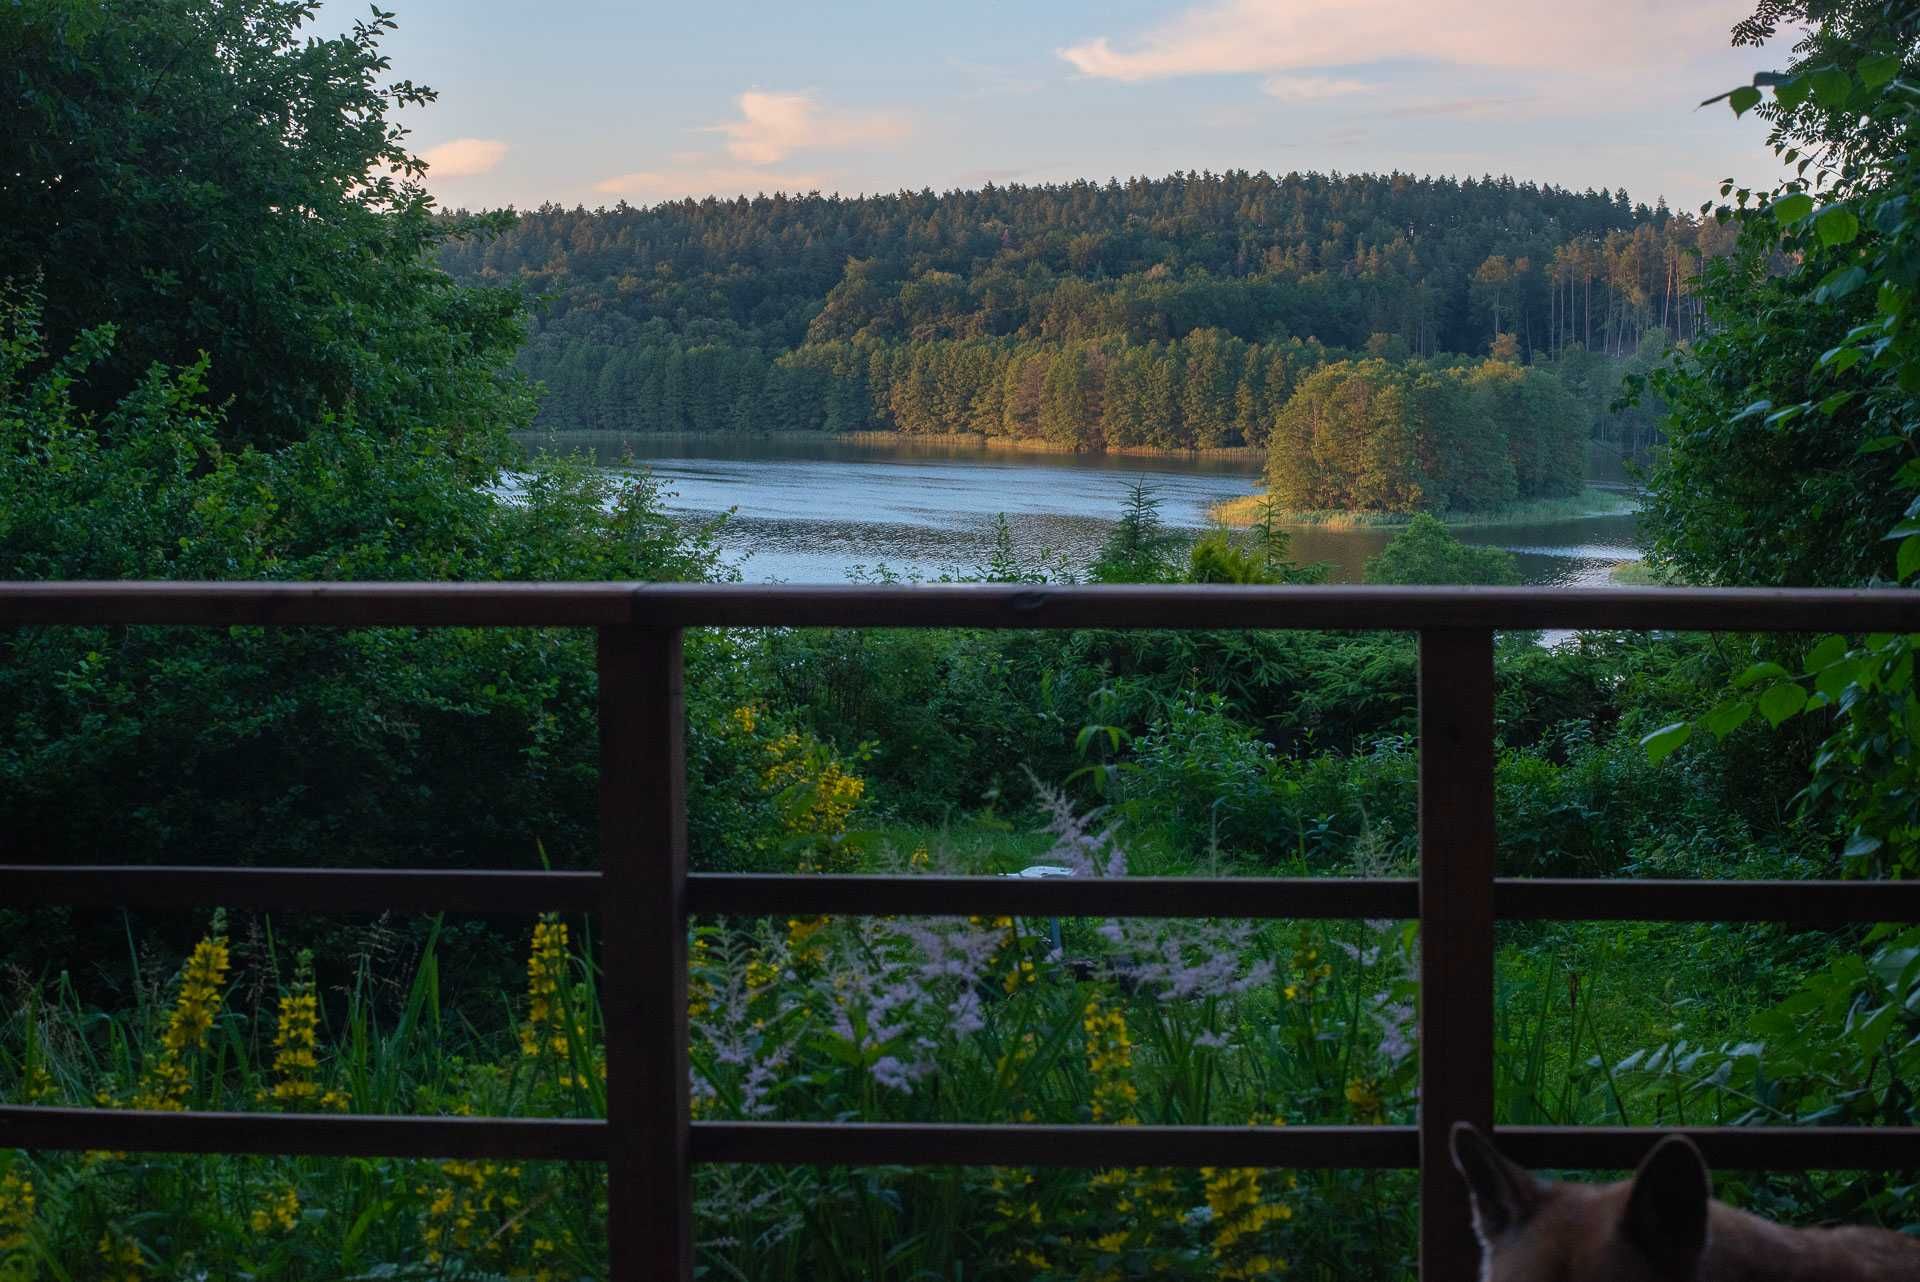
[1758,407]
[1840,359]
[1860,845]
[1662,743]
[1828,652]
[1791,209]
[1743,99]
[1763,671]
[1790,94]
[1728,717]
[1839,283]
[1837,226]
[1878,69]
[1908,559]
[1782,701]
[1831,87]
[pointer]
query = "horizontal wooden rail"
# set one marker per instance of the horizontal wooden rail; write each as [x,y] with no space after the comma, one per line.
[319,890]
[1822,1148]
[949,1144]
[305,1134]
[752,895]
[344,890]
[983,605]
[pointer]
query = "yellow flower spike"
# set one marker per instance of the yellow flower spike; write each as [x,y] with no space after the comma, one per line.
[17,1205]
[202,980]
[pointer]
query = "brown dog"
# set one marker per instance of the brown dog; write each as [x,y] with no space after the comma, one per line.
[1661,1226]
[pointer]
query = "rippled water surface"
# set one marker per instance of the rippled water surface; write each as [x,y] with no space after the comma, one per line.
[814,511]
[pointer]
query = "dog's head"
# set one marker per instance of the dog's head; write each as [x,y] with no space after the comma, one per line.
[1652,1228]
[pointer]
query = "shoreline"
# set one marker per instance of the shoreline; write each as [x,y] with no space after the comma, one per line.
[1592,502]
[976,440]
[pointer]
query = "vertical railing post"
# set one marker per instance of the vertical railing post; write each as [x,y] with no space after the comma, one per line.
[643,946]
[1456,932]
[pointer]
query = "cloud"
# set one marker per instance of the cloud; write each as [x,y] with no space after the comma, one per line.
[1271,36]
[464,157]
[715,180]
[1311,88]
[773,126]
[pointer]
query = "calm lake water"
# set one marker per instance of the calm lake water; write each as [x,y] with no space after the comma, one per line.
[815,511]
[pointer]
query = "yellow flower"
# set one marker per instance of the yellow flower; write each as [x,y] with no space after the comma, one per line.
[296,1043]
[1110,1061]
[1240,1218]
[121,1254]
[745,718]
[168,1078]
[1363,1094]
[16,1211]
[279,1210]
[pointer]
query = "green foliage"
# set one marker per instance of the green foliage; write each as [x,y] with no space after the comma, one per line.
[1140,549]
[225,187]
[1427,552]
[1369,436]
[299,745]
[1161,313]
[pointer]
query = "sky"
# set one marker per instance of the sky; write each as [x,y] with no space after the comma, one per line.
[590,102]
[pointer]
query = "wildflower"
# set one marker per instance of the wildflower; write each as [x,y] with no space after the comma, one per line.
[802,947]
[1239,1216]
[919,859]
[16,1211]
[296,1044]
[745,718]
[475,1209]
[1110,1060]
[554,1029]
[278,1210]
[121,1254]
[169,1078]
[1363,1095]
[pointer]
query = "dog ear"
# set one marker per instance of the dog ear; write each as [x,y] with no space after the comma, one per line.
[1505,1194]
[1666,1213]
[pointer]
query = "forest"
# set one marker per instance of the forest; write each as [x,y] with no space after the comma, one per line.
[246,363]
[1174,313]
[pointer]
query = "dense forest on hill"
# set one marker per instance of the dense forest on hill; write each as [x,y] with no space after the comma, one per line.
[1178,312]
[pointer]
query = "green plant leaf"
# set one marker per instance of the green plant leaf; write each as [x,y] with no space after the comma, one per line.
[1791,209]
[1760,672]
[1728,717]
[1743,99]
[1831,87]
[1782,701]
[1828,652]
[1878,69]
[1909,557]
[1663,742]
[1837,226]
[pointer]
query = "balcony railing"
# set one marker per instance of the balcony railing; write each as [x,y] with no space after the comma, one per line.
[644,894]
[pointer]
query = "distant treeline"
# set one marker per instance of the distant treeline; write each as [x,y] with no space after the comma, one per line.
[1176,312]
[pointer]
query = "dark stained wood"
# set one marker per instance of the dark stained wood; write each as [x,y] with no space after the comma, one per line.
[1456,931]
[883,1143]
[318,890]
[356,605]
[312,1134]
[1730,1148]
[753,895]
[643,988]
[1219,606]
[1797,903]
[985,605]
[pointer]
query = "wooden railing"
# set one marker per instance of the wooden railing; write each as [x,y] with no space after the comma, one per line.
[644,894]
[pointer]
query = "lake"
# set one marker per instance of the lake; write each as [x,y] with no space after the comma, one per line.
[812,510]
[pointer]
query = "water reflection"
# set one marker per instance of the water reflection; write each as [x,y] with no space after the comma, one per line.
[811,510]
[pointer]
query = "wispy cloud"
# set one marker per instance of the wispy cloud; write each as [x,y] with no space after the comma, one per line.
[464,157]
[1311,88]
[1271,36]
[772,126]
[1456,107]
[701,181]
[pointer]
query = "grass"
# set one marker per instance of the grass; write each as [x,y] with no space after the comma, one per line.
[1249,508]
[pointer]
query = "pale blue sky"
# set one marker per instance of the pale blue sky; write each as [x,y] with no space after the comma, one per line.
[589,101]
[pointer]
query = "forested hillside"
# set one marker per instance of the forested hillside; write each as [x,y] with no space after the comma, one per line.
[1178,312]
